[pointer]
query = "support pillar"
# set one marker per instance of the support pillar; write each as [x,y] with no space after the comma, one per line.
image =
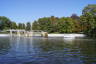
[18,33]
[10,33]
[44,34]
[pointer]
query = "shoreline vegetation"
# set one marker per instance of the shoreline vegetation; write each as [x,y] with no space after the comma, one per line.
[84,24]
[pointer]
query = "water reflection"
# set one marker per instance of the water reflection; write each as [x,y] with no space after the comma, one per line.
[36,50]
[4,45]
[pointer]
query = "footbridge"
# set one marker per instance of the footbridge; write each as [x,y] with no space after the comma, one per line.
[16,32]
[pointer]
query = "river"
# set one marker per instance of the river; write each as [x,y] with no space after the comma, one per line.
[39,50]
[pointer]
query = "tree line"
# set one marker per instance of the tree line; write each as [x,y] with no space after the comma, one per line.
[86,23]
[6,23]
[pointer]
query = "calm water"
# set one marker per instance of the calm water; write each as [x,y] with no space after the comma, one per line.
[36,50]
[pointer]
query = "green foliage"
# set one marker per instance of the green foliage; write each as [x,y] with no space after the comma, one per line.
[74,16]
[5,23]
[21,26]
[57,25]
[28,26]
[91,32]
[90,9]
[13,25]
[89,19]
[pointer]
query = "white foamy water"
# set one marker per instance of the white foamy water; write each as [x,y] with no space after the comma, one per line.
[66,35]
[4,35]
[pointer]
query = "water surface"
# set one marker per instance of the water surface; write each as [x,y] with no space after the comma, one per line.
[38,50]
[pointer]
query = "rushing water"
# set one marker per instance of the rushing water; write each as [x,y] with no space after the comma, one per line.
[37,50]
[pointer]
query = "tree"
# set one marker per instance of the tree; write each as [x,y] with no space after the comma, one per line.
[5,23]
[23,26]
[19,25]
[91,8]
[74,16]
[13,25]
[28,26]
[57,25]
[89,15]
[35,26]
[89,19]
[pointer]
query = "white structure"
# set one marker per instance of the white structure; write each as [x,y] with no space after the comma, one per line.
[27,33]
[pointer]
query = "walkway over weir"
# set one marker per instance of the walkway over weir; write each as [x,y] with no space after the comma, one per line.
[27,33]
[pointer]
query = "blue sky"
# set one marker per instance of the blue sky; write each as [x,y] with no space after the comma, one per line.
[30,10]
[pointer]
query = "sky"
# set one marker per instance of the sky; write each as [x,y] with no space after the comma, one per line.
[29,10]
